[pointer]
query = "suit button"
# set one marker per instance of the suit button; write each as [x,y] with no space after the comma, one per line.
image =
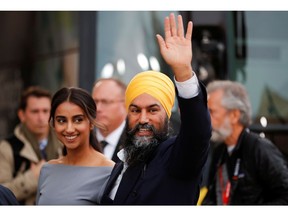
[134,194]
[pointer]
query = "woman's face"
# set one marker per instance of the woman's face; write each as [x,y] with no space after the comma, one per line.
[72,126]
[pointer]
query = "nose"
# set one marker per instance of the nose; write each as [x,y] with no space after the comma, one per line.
[143,117]
[43,117]
[70,127]
[99,106]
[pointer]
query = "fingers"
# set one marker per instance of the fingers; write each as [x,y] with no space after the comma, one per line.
[171,29]
[180,26]
[167,28]
[189,30]
[170,26]
[161,42]
[173,24]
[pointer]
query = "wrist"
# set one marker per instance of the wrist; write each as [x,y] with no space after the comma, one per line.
[183,73]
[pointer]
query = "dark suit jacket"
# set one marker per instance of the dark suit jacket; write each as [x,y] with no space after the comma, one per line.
[7,197]
[261,177]
[119,146]
[173,175]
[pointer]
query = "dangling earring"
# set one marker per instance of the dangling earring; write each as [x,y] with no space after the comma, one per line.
[91,127]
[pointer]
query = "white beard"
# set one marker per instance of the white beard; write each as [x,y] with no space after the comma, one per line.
[142,141]
[224,131]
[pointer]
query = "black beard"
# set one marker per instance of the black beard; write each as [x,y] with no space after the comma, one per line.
[140,149]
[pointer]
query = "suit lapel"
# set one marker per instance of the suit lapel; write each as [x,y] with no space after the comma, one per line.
[119,146]
[114,175]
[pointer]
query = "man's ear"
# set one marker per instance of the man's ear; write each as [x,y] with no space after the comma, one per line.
[235,115]
[21,115]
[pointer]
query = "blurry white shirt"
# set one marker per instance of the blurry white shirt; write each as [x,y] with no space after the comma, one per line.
[112,139]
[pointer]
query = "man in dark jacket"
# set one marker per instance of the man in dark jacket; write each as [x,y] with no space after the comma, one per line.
[246,169]
[155,169]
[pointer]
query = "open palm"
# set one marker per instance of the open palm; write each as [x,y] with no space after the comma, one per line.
[176,49]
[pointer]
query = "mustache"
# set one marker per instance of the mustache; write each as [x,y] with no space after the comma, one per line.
[139,126]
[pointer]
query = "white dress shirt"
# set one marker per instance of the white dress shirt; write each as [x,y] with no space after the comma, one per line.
[112,139]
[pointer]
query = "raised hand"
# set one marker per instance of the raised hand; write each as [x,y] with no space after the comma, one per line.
[176,49]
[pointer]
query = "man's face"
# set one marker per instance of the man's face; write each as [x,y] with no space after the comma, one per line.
[109,100]
[147,120]
[148,126]
[220,117]
[36,115]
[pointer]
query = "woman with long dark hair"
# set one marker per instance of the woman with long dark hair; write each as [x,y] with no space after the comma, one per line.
[78,176]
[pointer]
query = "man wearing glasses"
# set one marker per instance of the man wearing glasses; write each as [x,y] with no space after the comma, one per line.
[108,94]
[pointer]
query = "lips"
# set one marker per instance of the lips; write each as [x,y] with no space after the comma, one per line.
[144,132]
[70,138]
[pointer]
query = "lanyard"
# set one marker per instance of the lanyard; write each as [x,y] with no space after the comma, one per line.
[226,186]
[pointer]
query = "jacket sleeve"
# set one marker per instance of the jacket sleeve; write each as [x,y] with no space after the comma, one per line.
[191,147]
[273,172]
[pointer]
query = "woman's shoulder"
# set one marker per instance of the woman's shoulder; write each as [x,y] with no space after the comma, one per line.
[56,161]
[104,161]
[108,162]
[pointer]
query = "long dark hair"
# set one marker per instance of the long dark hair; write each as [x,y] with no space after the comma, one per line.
[84,100]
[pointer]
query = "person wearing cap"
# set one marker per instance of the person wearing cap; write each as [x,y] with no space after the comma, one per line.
[156,169]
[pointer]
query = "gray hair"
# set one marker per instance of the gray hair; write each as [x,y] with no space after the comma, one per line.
[234,97]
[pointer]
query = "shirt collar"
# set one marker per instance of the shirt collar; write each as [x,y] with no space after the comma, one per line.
[113,137]
[121,155]
[230,149]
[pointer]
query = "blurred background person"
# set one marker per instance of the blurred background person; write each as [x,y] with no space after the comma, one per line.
[78,176]
[246,169]
[23,153]
[7,197]
[109,94]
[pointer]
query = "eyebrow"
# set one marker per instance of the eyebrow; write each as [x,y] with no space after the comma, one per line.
[150,106]
[78,115]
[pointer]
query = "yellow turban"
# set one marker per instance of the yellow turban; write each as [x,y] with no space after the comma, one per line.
[156,84]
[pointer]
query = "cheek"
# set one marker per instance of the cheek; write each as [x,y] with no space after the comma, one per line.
[159,124]
[131,124]
[158,121]
[58,129]
[215,119]
[132,120]
[84,128]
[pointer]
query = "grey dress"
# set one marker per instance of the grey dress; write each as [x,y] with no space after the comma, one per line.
[71,185]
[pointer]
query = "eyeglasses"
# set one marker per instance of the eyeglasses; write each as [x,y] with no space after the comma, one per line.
[105,102]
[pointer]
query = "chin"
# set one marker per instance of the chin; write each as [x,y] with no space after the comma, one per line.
[140,141]
[216,137]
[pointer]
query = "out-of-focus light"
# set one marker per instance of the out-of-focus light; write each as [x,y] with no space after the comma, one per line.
[203,73]
[121,66]
[262,135]
[143,61]
[263,121]
[107,70]
[154,63]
